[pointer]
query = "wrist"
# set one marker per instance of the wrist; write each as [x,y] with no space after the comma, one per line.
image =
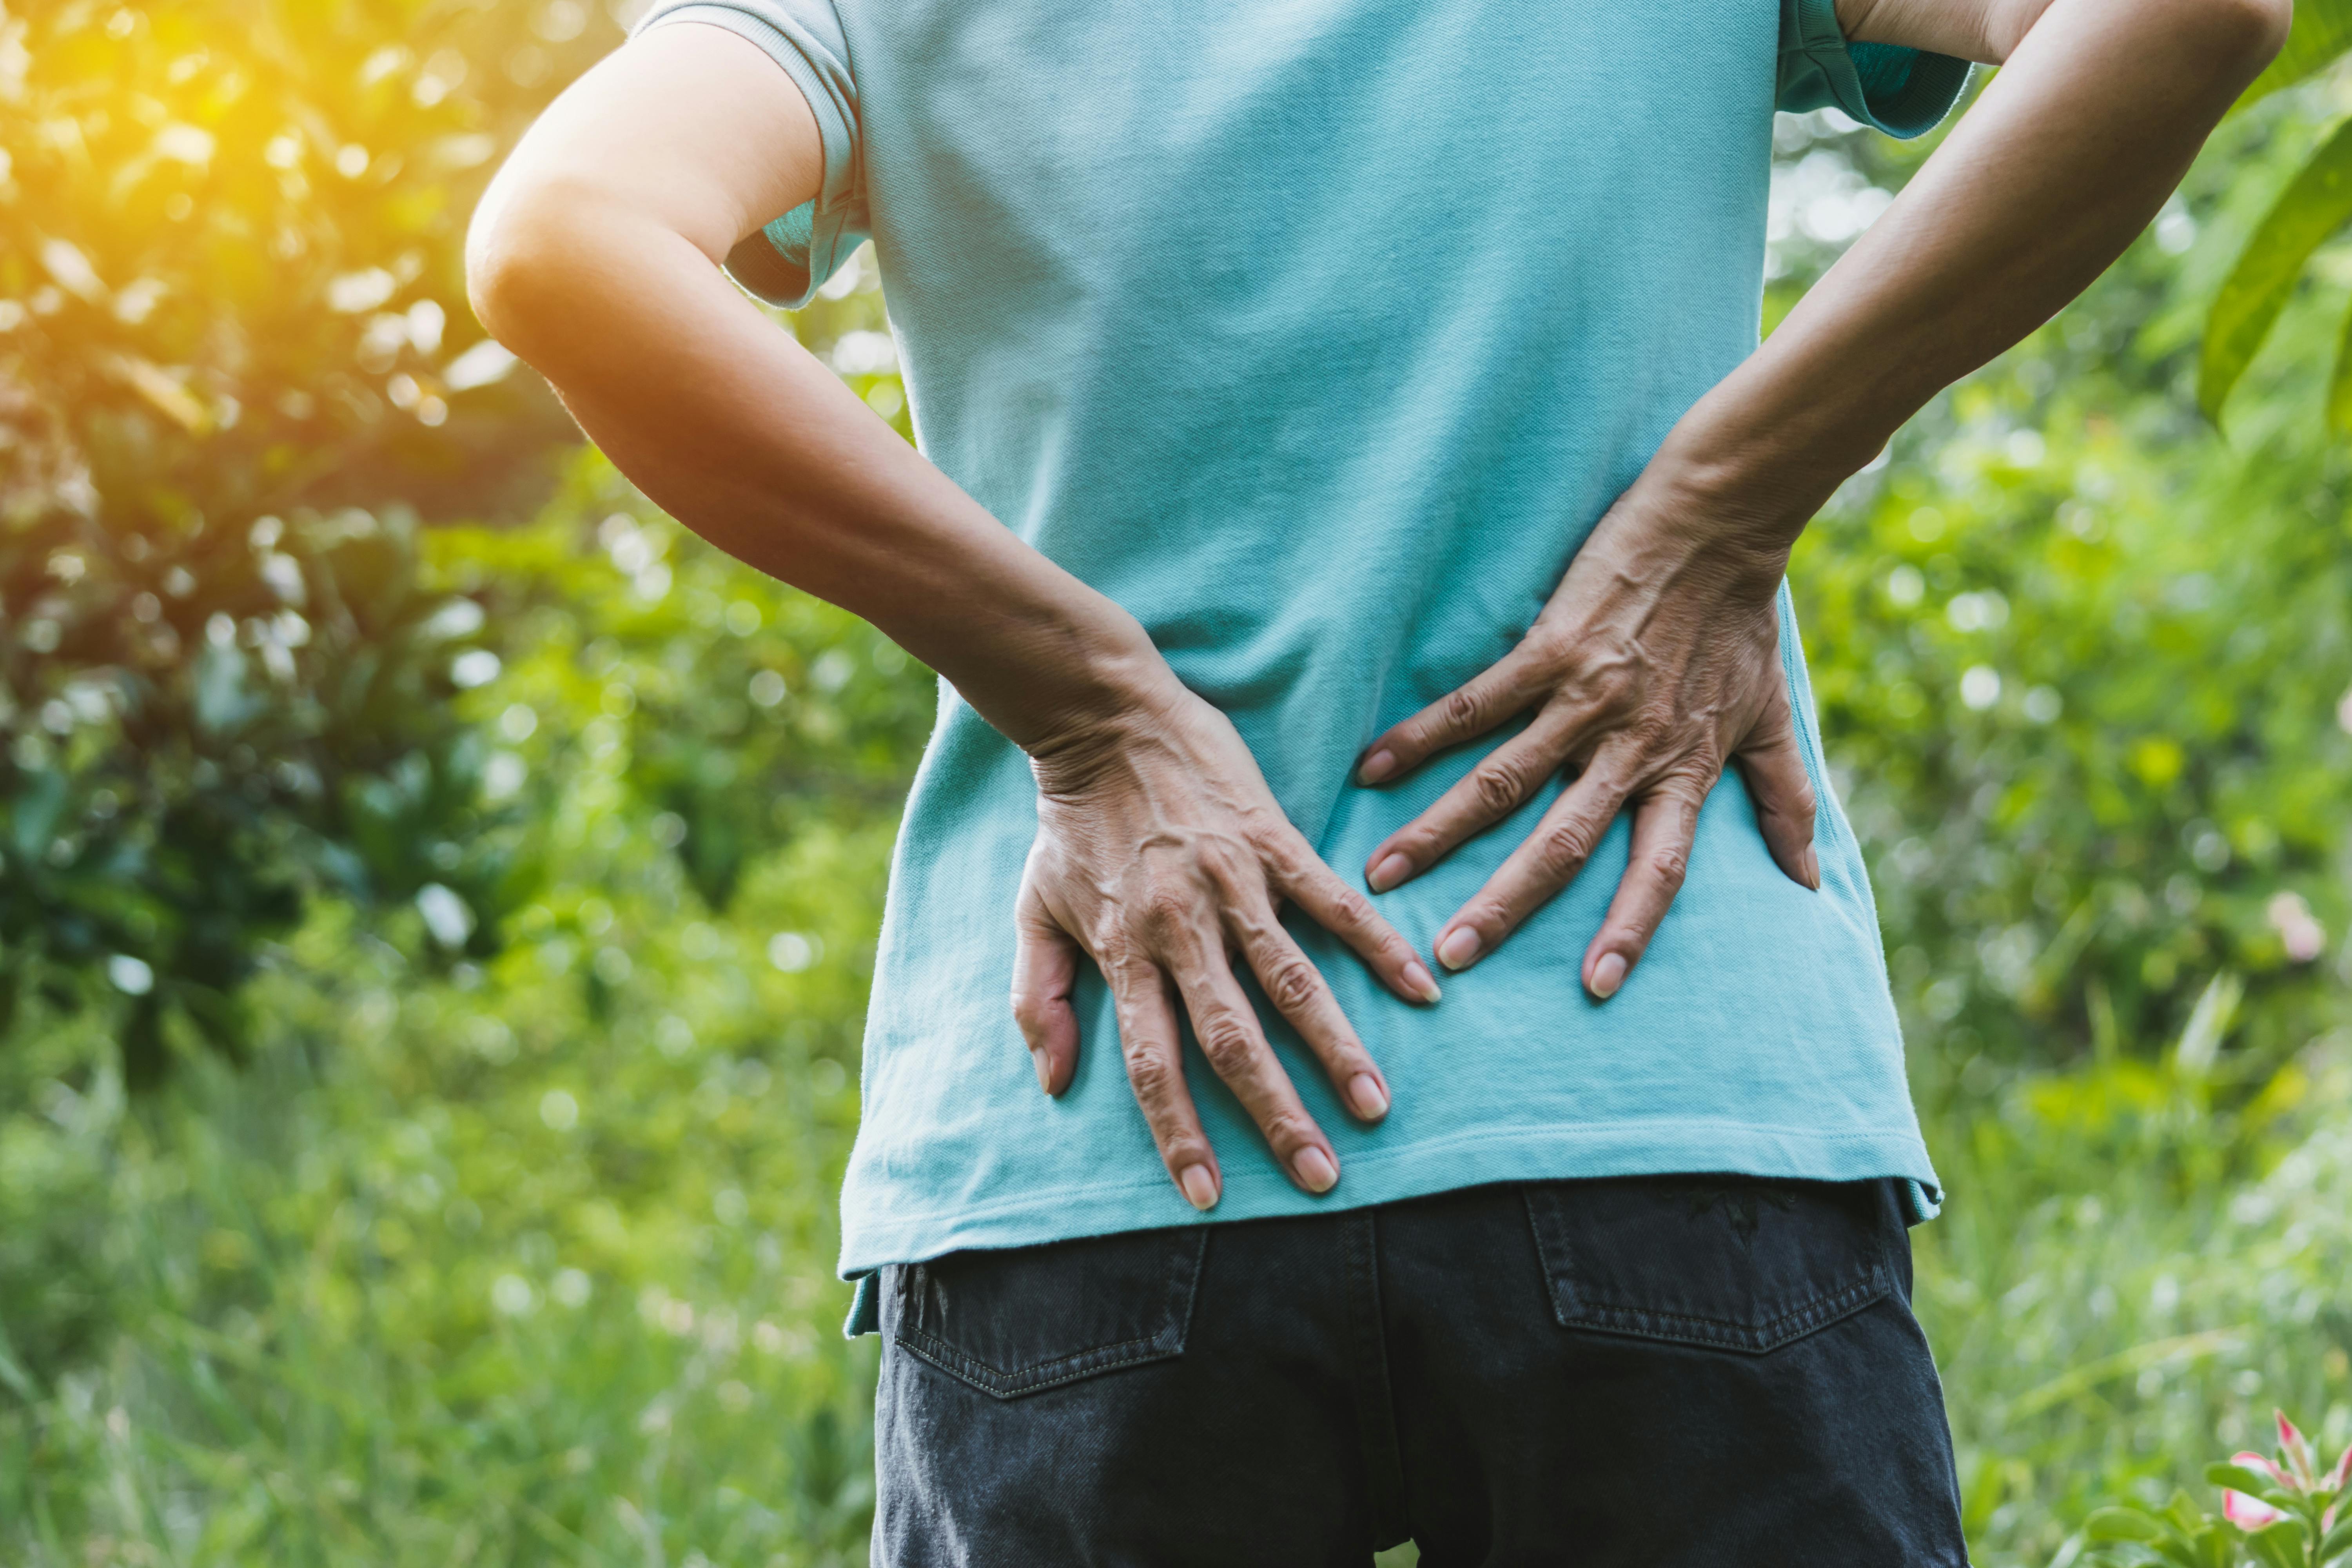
[1097,684]
[1683,523]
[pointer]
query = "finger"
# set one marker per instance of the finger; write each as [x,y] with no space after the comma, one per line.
[1665,821]
[1462,714]
[1148,1037]
[1772,763]
[1044,973]
[1501,783]
[1299,875]
[1295,988]
[1547,861]
[1227,1027]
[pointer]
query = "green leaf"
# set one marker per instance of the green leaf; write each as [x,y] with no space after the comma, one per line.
[2122,1524]
[2338,1542]
[2339,384]
[2238,1478]
[2315,206]
[2322,33]
[2278,1545]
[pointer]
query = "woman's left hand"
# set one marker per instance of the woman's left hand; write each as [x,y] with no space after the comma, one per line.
[1657,661]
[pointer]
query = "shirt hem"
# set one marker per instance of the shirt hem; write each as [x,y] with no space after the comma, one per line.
[1253,1189]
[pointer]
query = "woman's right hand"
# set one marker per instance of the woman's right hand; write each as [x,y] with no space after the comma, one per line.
[1163,855]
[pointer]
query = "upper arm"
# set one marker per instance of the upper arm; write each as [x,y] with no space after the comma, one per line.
[1984,31]
[692,128]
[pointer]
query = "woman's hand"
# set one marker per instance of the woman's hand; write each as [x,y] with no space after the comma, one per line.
[1656,661]
[1161,855]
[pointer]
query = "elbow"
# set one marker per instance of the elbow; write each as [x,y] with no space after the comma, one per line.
[2235,38]
[506,270]
[519,253]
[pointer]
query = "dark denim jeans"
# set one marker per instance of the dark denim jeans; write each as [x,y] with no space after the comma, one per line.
[1677,1371]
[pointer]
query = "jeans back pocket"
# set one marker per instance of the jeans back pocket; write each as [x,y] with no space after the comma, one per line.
[1022,1319]
[1730,1263]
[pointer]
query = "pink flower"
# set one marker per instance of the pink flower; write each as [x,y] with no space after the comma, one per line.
[2248,1512]
[2342,1473]
[2294,1450]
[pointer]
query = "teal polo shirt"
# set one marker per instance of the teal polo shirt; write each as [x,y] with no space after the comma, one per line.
[1318,333]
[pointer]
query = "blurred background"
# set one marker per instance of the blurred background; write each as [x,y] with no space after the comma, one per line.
[438,894]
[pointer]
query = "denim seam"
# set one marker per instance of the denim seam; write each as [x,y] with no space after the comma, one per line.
[1028,1379]
[1572,1312]
[1184,1290]
[1870,1287]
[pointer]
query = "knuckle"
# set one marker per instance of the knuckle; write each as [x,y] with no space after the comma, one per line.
[1228,864]
[1649,733]
[1291,983]
[1462,708]
[1669,865]
[1164,907]
[1565,849]
[1152,1077]
[1287,1130]
[1182,1146]
[1227,1043]
[1500,785]
[1349,907]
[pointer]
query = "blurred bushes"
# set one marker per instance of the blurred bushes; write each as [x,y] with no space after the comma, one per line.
[2085,677]
[236,367]
[506,1254]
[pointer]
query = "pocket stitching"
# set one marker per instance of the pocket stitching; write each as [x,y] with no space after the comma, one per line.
[1761,1339]
[1183,1288]
[1031,1379]
[1572,1310]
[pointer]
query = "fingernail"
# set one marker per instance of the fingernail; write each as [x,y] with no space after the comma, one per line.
[1372,1102]
[1420,980]
[1377,767]
[1459,946]
[1200,1187]
[1045,1065]
[1392,869]
[1315,1170]
[1813,870]
[1607,975]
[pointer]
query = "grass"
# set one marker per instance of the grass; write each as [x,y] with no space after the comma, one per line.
[499,1266]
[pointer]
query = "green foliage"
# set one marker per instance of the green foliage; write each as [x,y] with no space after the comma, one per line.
[2314,207]
[512,1242]
[516,1255]
[2080,668]
[234,369]
[2320,34]
[2277,1514]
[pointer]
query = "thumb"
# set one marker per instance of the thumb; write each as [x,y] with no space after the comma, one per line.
[1772,763]
[1044,971]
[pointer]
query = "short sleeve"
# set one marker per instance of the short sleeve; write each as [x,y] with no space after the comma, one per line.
[1901,91]
[804,38]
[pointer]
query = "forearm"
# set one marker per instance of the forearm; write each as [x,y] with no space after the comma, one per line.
[740,434]
[2065,157]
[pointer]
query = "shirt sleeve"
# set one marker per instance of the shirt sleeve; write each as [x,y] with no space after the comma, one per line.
[804,38]
[1901,91]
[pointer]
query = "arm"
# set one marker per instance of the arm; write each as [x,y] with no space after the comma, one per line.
[1657,660]
[595,256]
